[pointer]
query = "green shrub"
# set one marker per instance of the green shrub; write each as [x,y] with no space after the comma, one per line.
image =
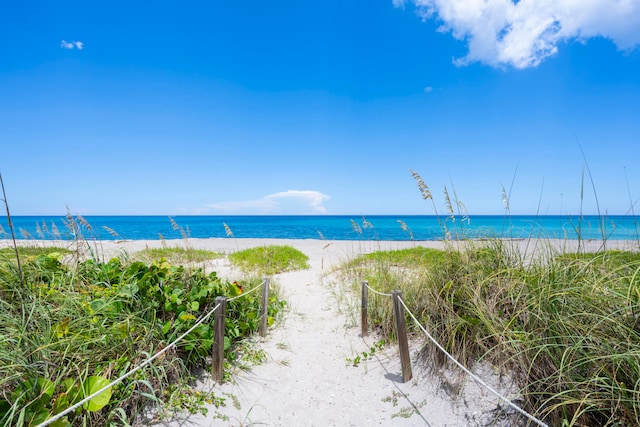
[269,260]
[75,328]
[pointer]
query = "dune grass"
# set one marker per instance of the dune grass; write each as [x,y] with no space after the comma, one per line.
[566,325]
[269,260]
[73,327]
[177,255]
[28,251]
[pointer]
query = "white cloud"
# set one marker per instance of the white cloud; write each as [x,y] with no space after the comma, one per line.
[524,33]
[292,202]
[72,45]
[428,89]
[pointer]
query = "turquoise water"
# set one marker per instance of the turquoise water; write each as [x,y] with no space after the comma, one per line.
[375,227]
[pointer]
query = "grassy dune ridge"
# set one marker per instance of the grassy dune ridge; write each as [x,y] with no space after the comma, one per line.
[79,322]
[565,324]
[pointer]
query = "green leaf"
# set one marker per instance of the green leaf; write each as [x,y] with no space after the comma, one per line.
[128,290]
[60,404]
[4,406]
[92,385]
[37,417]
[187,316]
[166,327]
[62,422]
[195,306]
[41,388]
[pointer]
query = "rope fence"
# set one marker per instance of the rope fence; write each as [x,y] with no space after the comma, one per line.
[219,313]
[399,307]
[218,346]
[376,292]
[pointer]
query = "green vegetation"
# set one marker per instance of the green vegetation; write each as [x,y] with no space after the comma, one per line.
[269,260]
[27,251]
[566,325]
[176,255]
[366,355]
[71,329]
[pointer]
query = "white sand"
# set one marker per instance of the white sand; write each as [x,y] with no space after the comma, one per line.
[306,380]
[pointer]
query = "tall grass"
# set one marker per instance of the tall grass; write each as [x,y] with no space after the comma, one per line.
[88,321]
[566,325]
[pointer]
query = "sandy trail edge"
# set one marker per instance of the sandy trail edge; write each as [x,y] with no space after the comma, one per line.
[306,380]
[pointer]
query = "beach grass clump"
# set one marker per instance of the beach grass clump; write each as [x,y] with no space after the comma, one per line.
[176,255]
[566,326]
[71,329]
[269,260]
[28,251]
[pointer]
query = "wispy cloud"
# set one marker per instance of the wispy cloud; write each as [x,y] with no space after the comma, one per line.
[292,202]
[428,89]
[72,45]
[523,33]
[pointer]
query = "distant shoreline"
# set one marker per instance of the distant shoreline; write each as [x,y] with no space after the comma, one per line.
[419,228]
[111,248]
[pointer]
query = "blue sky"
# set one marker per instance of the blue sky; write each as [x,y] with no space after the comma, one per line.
[319,107]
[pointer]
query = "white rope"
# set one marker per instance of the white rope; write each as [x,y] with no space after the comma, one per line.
[472,375]
[145,363]
[377,292]
[247,293]
[128,374]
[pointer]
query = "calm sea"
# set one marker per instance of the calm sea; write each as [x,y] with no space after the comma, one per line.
[388,227]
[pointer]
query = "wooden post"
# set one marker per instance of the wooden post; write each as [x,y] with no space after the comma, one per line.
[364,315]
[217,350]
[264,307]
[401,331]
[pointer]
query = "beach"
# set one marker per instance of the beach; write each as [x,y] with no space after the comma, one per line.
[307,378]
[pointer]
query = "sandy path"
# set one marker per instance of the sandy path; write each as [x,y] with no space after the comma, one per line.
[307,380]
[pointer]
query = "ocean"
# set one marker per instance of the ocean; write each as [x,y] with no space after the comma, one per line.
[375,227]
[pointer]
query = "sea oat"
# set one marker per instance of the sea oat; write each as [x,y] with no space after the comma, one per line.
[39,231]
[505,199]
[448,204]
[84,222]
[176,227]
[463,211]
[405,228]
[422,186]
[227,230]
[55,231]
[25,234]
[111,231]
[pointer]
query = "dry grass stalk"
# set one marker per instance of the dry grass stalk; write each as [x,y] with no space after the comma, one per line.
[227,230]
[405,228]
[111,231]
[55,231]
[422,186]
